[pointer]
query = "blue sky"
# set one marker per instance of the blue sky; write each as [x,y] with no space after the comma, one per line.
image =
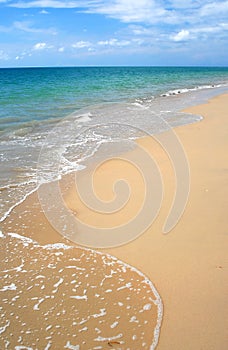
[113,32]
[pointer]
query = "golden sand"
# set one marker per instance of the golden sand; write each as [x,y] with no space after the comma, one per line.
[188,266]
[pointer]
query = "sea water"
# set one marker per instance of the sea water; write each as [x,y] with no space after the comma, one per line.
[73,113]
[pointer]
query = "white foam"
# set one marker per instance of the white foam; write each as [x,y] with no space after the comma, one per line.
[71,347]
[184,90]
[40,276]
[83,321]
[134,319]
[114,324]
[12,286]
[22,238]
[79,297]
[56,285]
[48,346]
[83,115]
[147,307]
[57,246]
[48,327]
[127,285]
[83,329]
[102,313]
[109,338]
[2,329]
[37,306]
[75,267]
[84,119]
[6,214]
[107,260]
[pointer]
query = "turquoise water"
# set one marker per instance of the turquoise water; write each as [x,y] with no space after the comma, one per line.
[37,94]
[78,112]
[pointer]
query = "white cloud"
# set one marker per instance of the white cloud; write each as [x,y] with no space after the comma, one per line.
[39,46]
[140,30]
[207,30]
[181,36]
[81,44]
[51,4]
[130,10]
[139,11]
[114,42]
[138,41]
[151,24]
[22,55]
[214,8]
[42,46]
[200,32]
[184,4]
[44,12]
[124,10]
[223,26]
[27,27]
[3,56]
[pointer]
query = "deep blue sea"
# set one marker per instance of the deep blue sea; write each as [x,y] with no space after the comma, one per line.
[78,111]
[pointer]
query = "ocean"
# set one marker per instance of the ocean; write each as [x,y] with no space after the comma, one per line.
[74,114]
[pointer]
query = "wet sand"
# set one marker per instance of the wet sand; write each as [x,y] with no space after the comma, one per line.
[187,266]
[61,297]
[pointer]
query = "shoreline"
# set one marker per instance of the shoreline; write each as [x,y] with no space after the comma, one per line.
[203,94]
[188,261]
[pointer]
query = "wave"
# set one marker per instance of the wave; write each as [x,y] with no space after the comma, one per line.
[185,90]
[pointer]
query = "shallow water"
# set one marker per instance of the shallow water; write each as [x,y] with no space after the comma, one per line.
[86,134]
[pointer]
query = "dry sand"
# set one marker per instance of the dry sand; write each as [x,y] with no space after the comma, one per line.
[188,266]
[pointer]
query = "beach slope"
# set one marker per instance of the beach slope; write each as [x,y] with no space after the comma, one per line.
[188,266]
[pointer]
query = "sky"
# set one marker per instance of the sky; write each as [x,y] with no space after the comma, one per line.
[113,33]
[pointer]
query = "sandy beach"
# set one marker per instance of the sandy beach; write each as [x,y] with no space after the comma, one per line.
[188,266]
